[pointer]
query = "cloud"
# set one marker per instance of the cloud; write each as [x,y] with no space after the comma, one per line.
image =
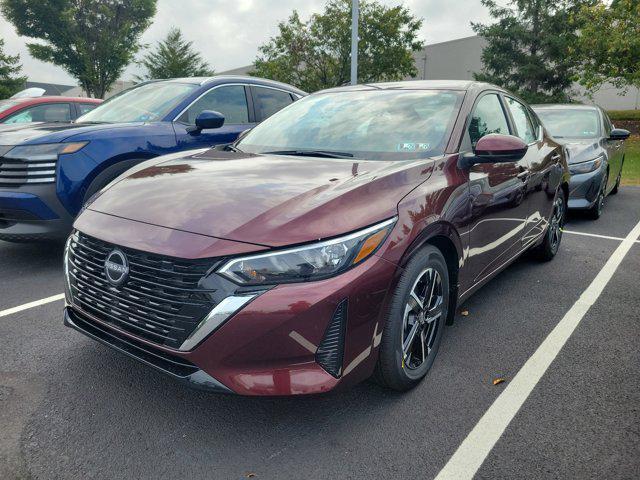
[229,32]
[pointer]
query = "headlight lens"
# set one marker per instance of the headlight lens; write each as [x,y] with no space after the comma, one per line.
[47,151]
[586,167]
[310,262]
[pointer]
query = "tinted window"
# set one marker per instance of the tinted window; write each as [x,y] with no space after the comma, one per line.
[86,107]
[522,121]
[52,112]
[371,124]
[488,117]
[570,122]
[230,101]
[268,101]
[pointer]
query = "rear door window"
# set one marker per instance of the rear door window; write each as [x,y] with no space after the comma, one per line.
[229,100]
[524,127]
[269,101]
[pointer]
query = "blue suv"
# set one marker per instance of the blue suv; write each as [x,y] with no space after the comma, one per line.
[48,171]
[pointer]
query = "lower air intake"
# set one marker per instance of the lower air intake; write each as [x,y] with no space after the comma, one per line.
[330,353]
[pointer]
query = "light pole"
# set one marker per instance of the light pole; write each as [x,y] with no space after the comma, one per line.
[355,12]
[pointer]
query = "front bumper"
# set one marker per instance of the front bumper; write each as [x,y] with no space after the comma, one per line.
[32,214]
[584,188]
[270,346]
[180,369]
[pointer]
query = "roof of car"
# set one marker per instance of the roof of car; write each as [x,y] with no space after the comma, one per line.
[53,99]
[233,78]
[460,85]
[563,106]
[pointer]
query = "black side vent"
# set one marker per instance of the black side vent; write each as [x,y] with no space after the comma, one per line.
[331,350]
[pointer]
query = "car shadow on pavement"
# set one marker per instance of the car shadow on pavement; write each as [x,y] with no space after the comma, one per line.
[32,253]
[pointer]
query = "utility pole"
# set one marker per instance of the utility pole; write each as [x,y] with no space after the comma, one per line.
[355,12]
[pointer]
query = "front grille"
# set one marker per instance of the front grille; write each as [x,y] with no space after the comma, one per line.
[160,301]
[17,171]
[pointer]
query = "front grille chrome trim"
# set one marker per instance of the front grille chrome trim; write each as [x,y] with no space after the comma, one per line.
[220,314]
[19,171]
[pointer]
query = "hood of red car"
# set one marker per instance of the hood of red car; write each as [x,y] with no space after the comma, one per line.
[270,200]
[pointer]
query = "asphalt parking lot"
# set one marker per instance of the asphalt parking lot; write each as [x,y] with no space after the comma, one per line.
[71,408]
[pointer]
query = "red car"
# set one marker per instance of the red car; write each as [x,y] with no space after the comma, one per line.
[51,109]
[331,243]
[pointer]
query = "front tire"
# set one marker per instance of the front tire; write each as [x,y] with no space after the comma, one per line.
[595,212]
[415,321]
[617,185]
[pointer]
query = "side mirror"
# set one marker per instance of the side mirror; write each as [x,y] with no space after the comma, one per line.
[208,119]
[495,148]
[619,134]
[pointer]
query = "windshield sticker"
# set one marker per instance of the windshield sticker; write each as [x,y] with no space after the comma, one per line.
[412,147]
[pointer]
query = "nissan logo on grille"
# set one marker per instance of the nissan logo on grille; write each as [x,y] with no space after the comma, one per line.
[116,267]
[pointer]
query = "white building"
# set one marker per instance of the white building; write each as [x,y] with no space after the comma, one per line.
[458,59]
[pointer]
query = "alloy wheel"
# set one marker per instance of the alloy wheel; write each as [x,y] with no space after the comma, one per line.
[556,223]
[421,321]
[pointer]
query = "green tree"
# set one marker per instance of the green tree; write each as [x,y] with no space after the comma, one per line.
[10,67]
[527,48]
[608,44]
[316,54]
[174,57]
[93,40]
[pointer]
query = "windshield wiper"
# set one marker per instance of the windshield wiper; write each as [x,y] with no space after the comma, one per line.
[232,148]
[311,153]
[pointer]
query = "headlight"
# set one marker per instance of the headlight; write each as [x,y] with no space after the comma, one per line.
[47,151]
[586,167]
[310,262]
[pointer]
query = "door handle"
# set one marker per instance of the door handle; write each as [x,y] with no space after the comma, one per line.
[524,175]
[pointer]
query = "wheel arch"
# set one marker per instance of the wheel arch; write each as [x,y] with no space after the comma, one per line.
[444,237]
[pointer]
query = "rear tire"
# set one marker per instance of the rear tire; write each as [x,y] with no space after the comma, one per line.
[552,238]
[415,321]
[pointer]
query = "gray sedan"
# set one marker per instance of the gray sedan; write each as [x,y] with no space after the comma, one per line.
[595,152]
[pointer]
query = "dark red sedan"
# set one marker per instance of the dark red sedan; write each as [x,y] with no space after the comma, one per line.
[51,109]
[329,244]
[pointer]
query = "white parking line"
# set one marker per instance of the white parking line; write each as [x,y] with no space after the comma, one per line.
[619,239]
[29,305]
[475,448]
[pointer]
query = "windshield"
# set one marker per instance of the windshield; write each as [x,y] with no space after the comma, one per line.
[147,103]
[570,123]
[372,124]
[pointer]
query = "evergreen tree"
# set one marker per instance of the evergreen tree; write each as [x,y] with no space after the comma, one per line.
[174,57]
[528,47]
[10,67]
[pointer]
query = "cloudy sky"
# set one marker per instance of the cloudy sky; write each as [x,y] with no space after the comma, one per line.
[228,32]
